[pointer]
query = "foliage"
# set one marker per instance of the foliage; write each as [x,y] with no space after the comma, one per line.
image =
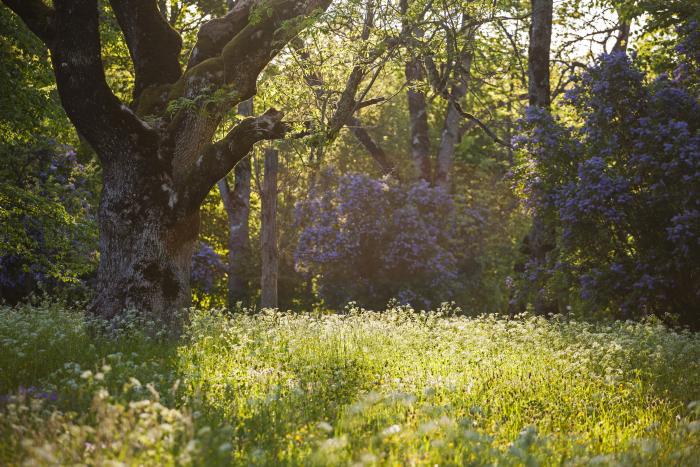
[623,189]
[370,240]
[47,192]
[396,387]
[49,236]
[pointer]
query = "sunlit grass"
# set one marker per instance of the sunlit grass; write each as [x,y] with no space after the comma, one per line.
[395,388]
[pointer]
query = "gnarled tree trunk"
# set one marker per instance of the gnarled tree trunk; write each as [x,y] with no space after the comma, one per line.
[156,175]
[145,253]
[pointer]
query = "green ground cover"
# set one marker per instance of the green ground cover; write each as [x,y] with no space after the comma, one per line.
[361,388]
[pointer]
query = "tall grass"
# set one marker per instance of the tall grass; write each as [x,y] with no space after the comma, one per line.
[390,388]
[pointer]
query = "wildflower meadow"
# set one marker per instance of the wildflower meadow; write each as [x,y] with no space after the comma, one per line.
[398,387]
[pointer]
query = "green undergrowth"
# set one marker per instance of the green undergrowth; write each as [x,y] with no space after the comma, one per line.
[359,388]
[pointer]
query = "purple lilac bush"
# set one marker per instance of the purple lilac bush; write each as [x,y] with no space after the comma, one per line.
[622,187]
[49,236]
[369,240]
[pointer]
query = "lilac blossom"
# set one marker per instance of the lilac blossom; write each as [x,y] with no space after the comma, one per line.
[370,240]
[622,186]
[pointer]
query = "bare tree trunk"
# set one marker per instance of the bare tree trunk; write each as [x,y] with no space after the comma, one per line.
[448,140]
[538,53]
[623,35]
[237,205]
[268,282]
[541,237]
[420,140]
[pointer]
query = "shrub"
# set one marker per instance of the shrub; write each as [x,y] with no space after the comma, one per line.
[207,268]
[622,188]
[371,240]
[49,235]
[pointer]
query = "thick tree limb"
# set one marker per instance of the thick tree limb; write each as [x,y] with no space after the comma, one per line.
[219,158]
[240,44]
[97,114]
[154,46]
[346,105]
[36,15]
[235,69]
[216,33]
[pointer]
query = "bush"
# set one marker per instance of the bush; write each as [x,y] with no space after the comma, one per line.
[49,236]
[372,240]
[622,189]
[207,274]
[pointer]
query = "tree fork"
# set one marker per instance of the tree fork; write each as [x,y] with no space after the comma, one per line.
[155,176]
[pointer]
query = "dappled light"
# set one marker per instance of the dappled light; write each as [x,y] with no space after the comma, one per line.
[350,232]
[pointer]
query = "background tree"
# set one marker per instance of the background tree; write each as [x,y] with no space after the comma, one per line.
[270,261]
[540,242]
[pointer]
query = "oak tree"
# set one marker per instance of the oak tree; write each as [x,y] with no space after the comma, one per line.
[157,153]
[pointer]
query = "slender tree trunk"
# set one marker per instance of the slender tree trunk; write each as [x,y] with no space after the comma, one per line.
[268,282]
[417,109]
[623,35]
[448,141]
[538,53]
[541,237]
[237,205]
[451,134]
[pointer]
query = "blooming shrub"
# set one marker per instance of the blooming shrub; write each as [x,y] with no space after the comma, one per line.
[371,240]
[622,188]
[49,235]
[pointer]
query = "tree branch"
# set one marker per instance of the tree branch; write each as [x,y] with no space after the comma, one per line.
[386,165]
[36,15]
[154,46]
[268,27]
[368,102]
[216,33]
[97,114]
[481,125]
[219,158]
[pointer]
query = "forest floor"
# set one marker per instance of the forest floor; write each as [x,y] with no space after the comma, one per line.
[362,388]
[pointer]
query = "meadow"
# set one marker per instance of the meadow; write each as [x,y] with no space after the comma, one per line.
[399,387]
